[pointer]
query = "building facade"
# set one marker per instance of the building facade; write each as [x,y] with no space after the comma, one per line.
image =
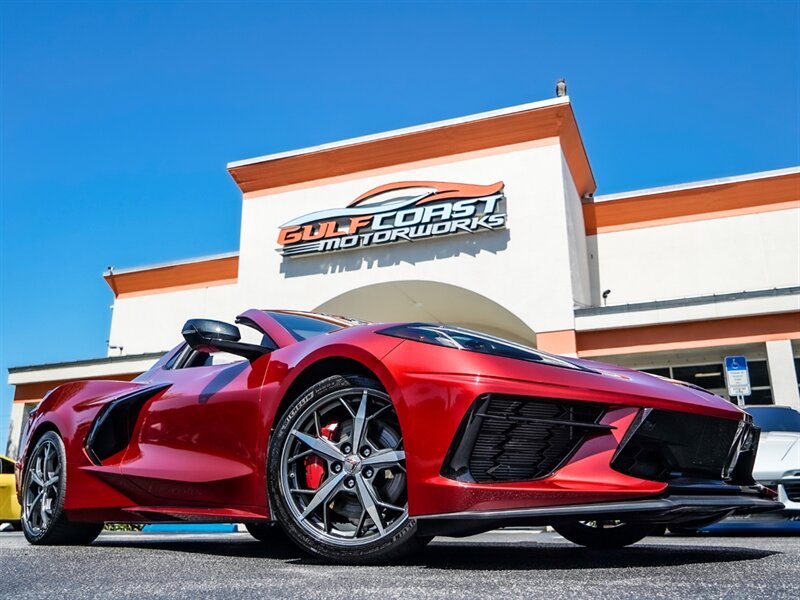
[490,222]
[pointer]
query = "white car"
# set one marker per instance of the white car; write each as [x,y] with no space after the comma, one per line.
[778,459]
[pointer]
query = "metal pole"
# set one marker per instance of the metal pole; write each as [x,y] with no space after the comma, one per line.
[740,400]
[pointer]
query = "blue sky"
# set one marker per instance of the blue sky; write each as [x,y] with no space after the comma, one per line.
[117,118]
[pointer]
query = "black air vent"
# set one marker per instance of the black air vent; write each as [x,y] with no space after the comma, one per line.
[663,445]
[113,427]
[518,438]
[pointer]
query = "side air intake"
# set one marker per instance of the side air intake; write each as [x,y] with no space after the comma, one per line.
[518,438]
[113,427]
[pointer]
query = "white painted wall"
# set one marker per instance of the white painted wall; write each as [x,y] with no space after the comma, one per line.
[782,374]
[582,292]
[731,254]
[525,269]
[741,307]
[15,425]
[152,322]
[77,371]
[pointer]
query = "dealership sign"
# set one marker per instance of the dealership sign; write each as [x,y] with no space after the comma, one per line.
[397,212]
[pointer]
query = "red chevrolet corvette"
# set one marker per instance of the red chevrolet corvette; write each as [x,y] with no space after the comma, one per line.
[360,442]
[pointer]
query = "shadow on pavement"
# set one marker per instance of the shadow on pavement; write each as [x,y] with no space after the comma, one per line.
[747,527]
[738,533]
[474,556]
[233,548]
[537,557]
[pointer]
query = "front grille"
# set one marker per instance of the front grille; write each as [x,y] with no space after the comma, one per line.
[664,445]
[517,438]
[792,490]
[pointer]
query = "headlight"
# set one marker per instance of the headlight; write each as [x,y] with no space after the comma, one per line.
[473,341]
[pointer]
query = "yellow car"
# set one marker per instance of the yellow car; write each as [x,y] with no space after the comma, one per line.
[9,506]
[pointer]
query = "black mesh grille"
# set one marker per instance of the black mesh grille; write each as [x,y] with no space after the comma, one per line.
[517,438]
[665,445]
[792,490]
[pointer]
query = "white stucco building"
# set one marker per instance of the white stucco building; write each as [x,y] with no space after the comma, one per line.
[668,279]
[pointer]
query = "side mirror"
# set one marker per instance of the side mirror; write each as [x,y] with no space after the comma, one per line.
[206,335]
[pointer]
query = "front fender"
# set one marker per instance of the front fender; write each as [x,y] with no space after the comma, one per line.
[69,410]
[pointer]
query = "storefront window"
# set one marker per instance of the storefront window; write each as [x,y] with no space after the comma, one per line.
[712,378]
[709,377]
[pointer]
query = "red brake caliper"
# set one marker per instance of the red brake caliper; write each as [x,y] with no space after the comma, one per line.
[315,466]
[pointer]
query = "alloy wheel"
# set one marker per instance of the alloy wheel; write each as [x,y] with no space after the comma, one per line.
[343,472]
[43,489]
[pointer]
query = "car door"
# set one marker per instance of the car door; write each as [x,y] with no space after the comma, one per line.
[201,441]
[9,507]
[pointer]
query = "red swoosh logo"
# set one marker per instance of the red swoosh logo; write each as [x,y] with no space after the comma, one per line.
[443,191]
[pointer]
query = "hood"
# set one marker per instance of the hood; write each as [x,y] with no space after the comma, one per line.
[458,350]
[778,455]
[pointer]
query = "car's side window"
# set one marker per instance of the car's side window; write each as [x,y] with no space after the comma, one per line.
[186,358]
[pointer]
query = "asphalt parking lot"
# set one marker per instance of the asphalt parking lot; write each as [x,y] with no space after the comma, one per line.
[502,564]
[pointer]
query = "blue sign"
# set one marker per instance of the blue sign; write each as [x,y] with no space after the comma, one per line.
[736,363]
[737,376]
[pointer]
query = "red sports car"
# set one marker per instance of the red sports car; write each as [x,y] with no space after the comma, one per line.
[360,442]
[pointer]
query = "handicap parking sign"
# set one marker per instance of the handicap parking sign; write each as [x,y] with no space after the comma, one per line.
[737,376]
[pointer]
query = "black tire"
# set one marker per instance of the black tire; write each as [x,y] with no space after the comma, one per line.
[44,521]
[268,533]
[678,530]
[693,527]
[604,534]
[399,538]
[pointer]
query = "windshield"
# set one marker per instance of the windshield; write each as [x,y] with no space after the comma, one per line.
[776,418]
[307,325]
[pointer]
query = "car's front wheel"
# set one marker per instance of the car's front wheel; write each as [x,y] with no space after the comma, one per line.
[44,488]
[337,473]
[604,533]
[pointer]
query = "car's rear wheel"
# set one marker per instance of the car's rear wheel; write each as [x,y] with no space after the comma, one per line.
[604,533]
[337,474]
[44,488]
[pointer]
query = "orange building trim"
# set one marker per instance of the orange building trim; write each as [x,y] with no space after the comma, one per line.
[695,334]
[557,342]
[34,392]
[448,140]
[692,204]
[442,160]
[203,273]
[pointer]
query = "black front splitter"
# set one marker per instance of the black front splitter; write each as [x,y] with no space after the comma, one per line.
[672,508]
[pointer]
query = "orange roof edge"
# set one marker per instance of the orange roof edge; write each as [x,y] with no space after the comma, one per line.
[205,271]
[754,192]
[494,129]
